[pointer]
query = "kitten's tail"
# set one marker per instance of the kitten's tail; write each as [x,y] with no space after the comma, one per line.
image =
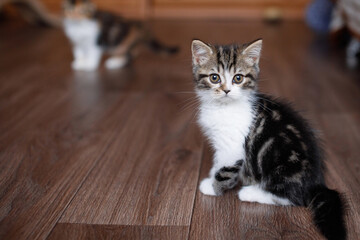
[327,208]
[158,47]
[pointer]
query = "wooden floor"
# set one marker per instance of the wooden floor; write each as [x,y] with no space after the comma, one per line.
[118,154]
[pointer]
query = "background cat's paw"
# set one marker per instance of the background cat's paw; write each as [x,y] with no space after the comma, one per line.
[116,62]
[77,65]
[90,66]
[351,62]
[84,66]
[206,187]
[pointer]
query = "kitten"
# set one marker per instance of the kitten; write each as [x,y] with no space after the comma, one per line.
[257,140]
[94,33]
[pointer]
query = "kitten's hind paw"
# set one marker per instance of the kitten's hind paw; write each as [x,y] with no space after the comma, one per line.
[206,187]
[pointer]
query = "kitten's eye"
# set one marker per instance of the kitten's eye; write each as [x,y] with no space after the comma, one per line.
[238,78]
[214,78]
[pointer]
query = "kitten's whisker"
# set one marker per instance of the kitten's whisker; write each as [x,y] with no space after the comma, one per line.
[185,92]
[198,109]
[189,103]
[267,100]
[191,98]
[190,106]
[265,108]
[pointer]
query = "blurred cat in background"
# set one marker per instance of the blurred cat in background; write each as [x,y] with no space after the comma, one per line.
[93,33]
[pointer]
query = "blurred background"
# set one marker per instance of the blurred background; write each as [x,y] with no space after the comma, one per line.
[337,18]
[198,9]
[201,9]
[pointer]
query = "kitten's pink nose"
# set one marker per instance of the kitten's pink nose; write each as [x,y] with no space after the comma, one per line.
[226,91]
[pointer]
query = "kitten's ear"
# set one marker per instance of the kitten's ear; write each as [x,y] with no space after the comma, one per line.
[201,52]
[252,52]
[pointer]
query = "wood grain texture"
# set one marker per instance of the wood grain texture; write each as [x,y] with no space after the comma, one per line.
[117,154]
[148,175]
[108,232]
[43,170]
[342,135]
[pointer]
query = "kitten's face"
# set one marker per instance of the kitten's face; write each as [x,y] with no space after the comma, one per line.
[225,73]
[78,9]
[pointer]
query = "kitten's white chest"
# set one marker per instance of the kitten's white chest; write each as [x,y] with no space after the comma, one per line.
[82,31]
[226,127]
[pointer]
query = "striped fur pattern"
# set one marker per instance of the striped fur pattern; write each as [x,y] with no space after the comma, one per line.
[259,141]
[94,32]
[227,177]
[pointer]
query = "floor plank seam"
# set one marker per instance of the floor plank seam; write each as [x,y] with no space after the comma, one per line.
[122,225]
[78,189]
[112,139]
[196,189]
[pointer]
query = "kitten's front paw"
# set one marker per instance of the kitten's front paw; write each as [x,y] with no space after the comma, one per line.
[206,187]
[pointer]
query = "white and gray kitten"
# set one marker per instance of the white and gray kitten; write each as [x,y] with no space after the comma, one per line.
[93,33]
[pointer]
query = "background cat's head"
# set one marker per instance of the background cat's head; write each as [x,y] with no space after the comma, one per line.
[78,9]
[225,73]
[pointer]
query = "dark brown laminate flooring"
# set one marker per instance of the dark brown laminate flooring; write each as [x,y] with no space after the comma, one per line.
[118,155]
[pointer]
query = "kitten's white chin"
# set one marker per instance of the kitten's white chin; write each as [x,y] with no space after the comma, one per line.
[226,99]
